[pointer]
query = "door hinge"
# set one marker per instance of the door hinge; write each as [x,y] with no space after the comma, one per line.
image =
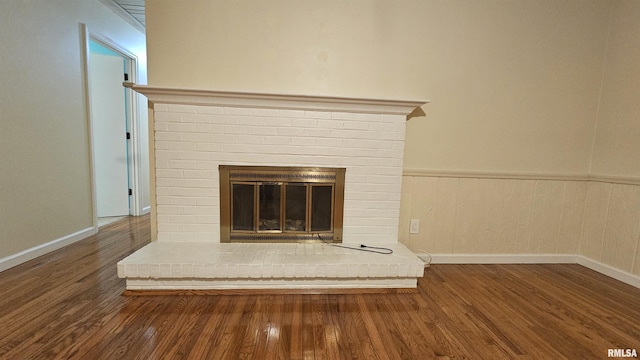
[126,77]
[128,136]
[130,192]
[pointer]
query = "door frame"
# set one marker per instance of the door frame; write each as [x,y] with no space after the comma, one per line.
[131,105]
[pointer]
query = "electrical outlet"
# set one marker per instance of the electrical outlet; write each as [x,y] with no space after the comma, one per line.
[414,227]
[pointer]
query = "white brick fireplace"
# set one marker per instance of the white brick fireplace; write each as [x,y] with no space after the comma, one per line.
[198,130]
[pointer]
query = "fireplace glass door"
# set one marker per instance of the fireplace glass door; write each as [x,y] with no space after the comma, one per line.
[281,204]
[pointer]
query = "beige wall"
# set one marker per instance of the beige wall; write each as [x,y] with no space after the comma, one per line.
[617,141]
[514,84]
[517,87]
[45,191]
[597,217]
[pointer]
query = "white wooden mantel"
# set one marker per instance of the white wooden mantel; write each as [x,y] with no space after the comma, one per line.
[166,95]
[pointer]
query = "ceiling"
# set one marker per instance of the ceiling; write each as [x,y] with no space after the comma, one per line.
[135,8]
[130,10]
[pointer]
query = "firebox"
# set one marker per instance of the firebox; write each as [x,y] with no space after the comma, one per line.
[281,204]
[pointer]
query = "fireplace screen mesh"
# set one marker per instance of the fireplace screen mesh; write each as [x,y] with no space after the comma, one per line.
[281,204]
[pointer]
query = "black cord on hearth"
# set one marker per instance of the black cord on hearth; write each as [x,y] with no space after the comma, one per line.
[373,249]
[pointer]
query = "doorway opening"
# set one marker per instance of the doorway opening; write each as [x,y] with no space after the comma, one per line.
[110,122]
[113,129]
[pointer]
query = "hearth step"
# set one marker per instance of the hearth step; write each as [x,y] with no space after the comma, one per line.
[163,265]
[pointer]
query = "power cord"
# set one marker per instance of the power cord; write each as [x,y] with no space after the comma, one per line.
[373,249]
[427,261]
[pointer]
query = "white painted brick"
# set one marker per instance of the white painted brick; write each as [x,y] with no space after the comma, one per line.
[224,139]
[170,209]
[162,145]
[160,107]
[198,271]
[250,139]
[161,126]
[167,136]
[178,127]
[182,164]
[237,111]
[276,140]
[363,271]
[236,129]
[231,120]
[392,136]
[210,129]
[176,108]
[355,125]
[393,118]
[168,155]
[350,134]
[264,112]
[291,113]
[196,137]
[290,131]
[316,132]
[208,236]
[197,210]
[201,192]
[329,124]
[207,201]
[344,116]
[160,116]
[182,146]
[201,228]
[198,174]
[198,219]
[182,200]
[188,183]
[371,147]
[317,114]
[169,173]
[369,117]
[302,141]
[305,123]
[238,148]
[263,130]
[211,110]
[195,118]
[197,155]
[131,270]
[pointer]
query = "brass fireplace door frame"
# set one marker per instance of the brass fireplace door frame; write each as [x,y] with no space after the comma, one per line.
[278,175]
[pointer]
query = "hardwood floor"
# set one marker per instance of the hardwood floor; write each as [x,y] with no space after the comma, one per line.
[69,305]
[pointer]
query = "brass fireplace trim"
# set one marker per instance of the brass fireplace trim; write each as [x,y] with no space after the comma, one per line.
[281,175]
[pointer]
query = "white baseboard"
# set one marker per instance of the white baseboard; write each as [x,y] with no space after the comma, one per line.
[625,277]
[145,210]
[32,253]
[503,259]
[621,275]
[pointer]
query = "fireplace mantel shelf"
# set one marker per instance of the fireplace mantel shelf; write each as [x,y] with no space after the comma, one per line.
[165,95]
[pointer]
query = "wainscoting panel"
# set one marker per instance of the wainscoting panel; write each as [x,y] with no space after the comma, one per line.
[595,219]
[612,225]
[462,214]
[493,216]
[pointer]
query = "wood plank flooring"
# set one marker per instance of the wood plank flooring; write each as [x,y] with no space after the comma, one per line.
[69,305]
